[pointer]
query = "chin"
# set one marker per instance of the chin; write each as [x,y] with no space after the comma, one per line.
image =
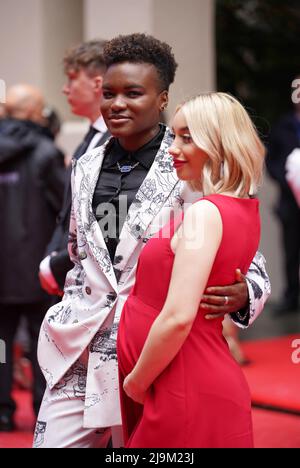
[116,132]
[78,112]
[184,177]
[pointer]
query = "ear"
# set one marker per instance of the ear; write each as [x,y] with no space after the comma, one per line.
[98,80]
[164,100]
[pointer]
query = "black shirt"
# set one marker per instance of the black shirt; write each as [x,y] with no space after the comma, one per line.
[115,191]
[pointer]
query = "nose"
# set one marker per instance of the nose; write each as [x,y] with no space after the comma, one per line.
[174,151]
[118,104]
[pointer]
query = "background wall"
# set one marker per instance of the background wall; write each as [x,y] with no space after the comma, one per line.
[33,37]
[187,26]
[35,33]
[105,19]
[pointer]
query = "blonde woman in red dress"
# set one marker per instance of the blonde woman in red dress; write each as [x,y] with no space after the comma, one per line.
[180,386]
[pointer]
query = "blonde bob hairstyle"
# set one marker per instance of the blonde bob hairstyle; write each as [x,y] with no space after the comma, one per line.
[221,127]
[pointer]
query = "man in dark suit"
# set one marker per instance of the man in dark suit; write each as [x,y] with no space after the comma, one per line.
[32,176]
[84,68]
[284,138]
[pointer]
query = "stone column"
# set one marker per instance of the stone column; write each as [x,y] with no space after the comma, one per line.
[187,26]
[33,37]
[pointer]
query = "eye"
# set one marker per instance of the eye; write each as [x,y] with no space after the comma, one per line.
[134,94]
[186,139]
[107,94]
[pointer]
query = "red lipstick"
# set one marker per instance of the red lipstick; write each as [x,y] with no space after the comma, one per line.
[178,164]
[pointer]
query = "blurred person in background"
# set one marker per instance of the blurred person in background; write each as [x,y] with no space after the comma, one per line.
[32,176]
[284,138]
[84,68]
[293,173]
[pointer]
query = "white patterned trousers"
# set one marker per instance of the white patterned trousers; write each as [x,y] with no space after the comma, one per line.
[60,420]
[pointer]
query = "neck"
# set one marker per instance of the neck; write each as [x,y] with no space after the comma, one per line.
[94,115]
[135,142]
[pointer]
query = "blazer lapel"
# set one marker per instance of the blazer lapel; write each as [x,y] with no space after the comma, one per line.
[90,167]
[105,136]
[152,195]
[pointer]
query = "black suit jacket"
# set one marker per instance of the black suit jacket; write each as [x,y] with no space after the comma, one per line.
[32,176]
[60,263]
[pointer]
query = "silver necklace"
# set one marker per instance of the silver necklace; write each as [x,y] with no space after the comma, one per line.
[126,168]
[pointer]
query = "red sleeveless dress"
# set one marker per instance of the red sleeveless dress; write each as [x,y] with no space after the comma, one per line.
[202,398]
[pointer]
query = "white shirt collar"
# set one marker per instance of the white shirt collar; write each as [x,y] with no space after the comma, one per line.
[99,125]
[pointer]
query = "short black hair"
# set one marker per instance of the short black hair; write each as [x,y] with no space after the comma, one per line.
[87,55]
[142,48]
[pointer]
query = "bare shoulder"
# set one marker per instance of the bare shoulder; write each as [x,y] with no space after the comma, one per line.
[204,211]
[202,224]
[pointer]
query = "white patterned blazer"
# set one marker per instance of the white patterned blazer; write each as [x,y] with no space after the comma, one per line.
[96,290]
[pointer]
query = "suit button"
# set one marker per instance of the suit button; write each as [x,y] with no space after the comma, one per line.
[88,290]
[83,255]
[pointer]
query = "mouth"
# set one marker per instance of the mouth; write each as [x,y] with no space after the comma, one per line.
[118,119]
[178,164]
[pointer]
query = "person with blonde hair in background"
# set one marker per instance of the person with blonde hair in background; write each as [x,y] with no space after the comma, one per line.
[180,386]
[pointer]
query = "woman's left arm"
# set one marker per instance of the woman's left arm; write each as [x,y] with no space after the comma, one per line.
[196,249]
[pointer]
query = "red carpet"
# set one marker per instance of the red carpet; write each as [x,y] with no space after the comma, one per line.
[273,377]
[271,429]
[275,430]
[22,438]
[274,381]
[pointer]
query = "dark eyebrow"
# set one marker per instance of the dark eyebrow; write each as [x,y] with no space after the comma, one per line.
[132,86]
[182,129]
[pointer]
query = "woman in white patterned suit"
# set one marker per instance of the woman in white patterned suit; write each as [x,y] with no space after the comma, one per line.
[123,193]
